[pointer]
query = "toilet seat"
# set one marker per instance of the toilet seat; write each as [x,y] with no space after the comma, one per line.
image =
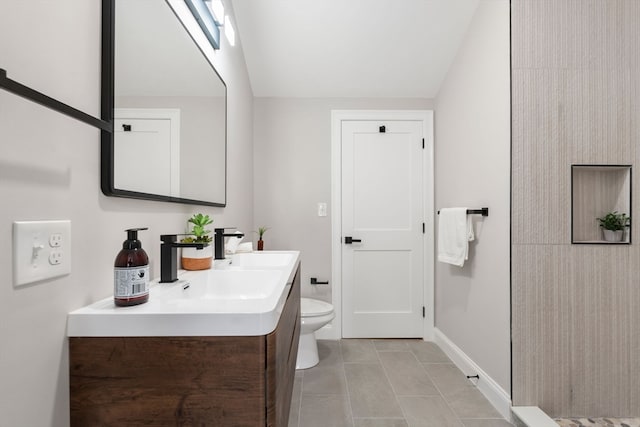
[313,307]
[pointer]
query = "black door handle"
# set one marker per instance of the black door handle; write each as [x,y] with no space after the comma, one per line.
[349,240]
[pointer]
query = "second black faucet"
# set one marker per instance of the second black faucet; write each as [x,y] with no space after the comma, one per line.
[219,240]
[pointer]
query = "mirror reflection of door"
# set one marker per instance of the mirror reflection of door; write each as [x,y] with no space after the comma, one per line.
[147,151]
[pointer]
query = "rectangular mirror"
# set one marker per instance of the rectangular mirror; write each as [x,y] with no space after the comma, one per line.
[168,108]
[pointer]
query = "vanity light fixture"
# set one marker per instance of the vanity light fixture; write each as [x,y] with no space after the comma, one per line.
[217,11]
[229,31]
[206,21]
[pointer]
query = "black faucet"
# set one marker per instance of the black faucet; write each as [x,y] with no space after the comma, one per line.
[169,256]
[219,240]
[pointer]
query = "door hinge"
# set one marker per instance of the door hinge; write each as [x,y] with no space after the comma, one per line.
[423,228]
[424,311]
[423,143]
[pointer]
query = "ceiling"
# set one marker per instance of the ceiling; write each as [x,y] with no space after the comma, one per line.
[350,48]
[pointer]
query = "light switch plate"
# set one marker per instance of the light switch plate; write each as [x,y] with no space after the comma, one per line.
[41,250]
[322,209]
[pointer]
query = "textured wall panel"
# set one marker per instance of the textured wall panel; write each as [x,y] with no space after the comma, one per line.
[570,34]
[597,108]
[575,309]
[601,331]
[541,201]
[542,311]
[633,306]
[575,350]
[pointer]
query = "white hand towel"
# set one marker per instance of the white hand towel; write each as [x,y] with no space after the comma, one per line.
[232,244]
[455,231]
[245,247]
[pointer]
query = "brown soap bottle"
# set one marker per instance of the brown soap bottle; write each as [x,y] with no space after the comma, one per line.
[131,272]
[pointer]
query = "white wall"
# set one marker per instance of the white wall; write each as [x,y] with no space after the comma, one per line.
[472,157]
[49,169]
[292,156]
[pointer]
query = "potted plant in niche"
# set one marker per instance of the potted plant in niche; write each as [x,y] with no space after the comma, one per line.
[613,226]
[261,231]
[193,258]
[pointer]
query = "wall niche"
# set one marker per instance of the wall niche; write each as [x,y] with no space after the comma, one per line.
[595,191]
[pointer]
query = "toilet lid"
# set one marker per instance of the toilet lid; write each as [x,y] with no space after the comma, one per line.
[312,307]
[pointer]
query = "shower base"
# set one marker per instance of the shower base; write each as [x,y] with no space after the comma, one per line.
[598,422]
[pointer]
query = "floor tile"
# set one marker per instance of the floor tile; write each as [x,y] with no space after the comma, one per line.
[380,422]
[428,411]
[428,352]
[325,411]
[470,403]
[447,377]
[370,393]
[321,380]
[296,397]
[390,345]
[329,353]
[387,383]
[486,423]
[358,351]
[406,375]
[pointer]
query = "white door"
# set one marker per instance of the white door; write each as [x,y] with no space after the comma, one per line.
[147,151]
[382,207]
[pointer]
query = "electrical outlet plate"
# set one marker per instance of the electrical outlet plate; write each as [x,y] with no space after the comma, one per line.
[41,250]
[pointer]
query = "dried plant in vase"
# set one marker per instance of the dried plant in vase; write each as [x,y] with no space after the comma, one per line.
[261,231]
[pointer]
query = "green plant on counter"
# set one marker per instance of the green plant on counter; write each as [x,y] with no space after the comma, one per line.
[200,233]
[614,221]
[261,231]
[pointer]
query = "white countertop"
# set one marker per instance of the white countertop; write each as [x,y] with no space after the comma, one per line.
[241,298]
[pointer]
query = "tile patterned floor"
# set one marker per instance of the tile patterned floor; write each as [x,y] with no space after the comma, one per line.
[387,383]
[599,422]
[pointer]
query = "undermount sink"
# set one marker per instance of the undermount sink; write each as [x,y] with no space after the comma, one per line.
[261,259]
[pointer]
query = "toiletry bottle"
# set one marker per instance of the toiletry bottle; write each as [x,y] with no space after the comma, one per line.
[131,272]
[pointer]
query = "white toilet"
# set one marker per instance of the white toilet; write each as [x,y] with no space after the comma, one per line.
[314,314]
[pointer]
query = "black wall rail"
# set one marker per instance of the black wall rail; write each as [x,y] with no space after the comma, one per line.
[481,211]
[42,99]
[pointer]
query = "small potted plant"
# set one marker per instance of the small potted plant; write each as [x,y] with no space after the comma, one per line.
[614,225]
[261,231]
[193,258]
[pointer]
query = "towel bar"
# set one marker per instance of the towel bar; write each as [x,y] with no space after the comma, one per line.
[39,98]
[481,211]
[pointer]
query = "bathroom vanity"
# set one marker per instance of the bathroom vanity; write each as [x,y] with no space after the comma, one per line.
[217,348]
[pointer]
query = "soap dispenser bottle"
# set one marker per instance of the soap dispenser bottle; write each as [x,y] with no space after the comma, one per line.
[131,272]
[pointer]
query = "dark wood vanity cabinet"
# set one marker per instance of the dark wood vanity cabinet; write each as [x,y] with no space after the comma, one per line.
[187,381]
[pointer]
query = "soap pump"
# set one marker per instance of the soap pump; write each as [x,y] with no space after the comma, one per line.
[131,272]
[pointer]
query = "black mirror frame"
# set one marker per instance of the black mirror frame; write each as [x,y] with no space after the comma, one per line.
[107,115]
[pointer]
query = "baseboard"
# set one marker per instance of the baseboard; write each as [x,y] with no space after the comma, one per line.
[327,332]
[495,394]
[532,416]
